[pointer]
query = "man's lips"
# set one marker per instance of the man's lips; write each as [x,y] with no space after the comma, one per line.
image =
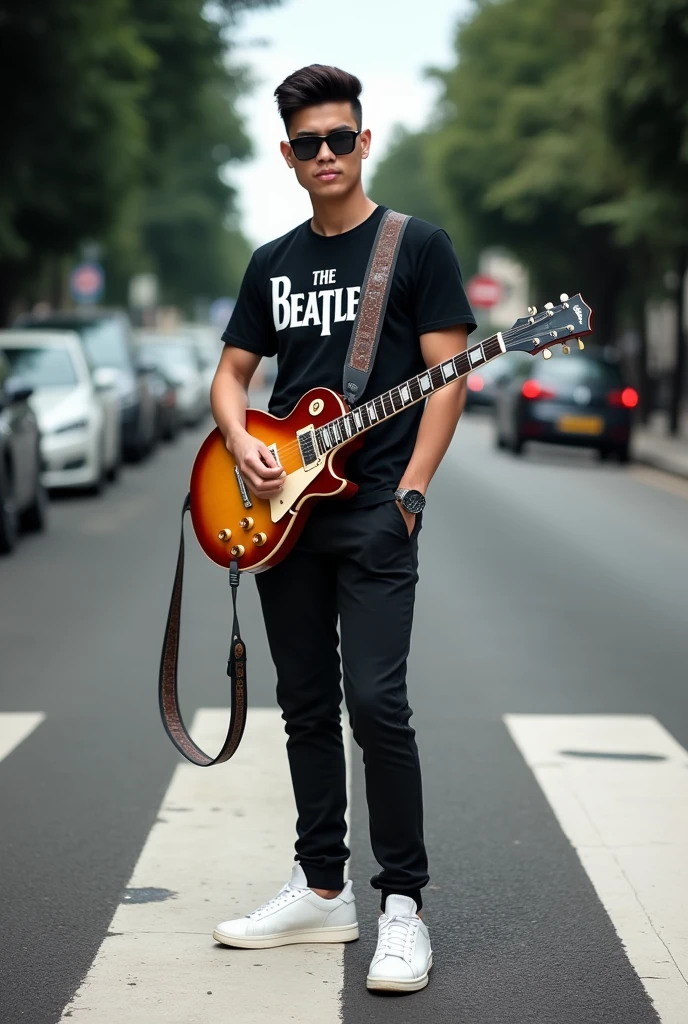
[327,175]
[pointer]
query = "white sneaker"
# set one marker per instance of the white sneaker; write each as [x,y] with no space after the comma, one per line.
[403,956]
[296,914]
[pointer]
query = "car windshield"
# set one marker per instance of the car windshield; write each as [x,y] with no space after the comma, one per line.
[578,370]
[104,340]
[43,367]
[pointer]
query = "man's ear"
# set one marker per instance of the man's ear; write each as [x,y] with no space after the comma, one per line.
[365,143]
[285,149]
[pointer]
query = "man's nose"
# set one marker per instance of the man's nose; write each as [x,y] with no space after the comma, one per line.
[325,153]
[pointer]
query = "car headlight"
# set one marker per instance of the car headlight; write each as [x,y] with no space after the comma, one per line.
[74,425]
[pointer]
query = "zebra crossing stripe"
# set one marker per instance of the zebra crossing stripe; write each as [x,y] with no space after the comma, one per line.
[618,785]
[15,727]
[222,845]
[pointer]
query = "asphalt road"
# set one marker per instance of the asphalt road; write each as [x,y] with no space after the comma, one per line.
[549,585]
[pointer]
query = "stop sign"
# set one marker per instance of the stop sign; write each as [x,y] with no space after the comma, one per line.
[483,291]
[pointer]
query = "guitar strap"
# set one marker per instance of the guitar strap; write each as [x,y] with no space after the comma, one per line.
[370,315]
[365,336]
[167,680]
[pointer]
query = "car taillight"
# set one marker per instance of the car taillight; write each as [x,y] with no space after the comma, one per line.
[626,397]
[475,382]
[534,389]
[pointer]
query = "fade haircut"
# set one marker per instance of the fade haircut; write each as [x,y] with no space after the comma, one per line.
[316,84]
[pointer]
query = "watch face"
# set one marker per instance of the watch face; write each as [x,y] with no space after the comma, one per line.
[413,501]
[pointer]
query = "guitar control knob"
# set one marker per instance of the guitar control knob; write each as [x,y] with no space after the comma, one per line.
[246,523]
[259,539]
[224,535]
[237,550]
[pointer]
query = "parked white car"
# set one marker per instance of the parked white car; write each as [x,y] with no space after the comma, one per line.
[175,355]
[78,411]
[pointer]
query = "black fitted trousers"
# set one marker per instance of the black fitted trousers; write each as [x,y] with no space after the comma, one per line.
[357,568]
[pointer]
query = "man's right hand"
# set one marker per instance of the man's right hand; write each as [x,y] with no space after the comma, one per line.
[257,465]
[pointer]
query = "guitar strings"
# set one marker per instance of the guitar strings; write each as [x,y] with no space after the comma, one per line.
[514,334]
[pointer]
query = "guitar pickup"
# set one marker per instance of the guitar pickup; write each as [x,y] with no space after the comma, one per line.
[308,447]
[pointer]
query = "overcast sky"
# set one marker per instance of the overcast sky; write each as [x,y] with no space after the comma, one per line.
[387,43]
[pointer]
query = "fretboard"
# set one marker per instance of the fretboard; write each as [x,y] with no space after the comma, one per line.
[369,414]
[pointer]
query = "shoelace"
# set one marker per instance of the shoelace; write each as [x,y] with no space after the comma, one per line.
[282,897]
[396,934]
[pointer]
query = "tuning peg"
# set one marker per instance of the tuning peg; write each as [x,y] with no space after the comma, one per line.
[532,310]
[563,297]
[565,349]
[549,305]
[547,354]
[536,341]
[581,346]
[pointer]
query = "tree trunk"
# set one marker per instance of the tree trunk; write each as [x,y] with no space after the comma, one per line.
[677,383]
[9,286]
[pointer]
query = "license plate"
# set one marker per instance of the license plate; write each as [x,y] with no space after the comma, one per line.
[580,424]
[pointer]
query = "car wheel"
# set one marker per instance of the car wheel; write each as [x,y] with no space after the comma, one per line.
[35,518]
[499,441]
[516,445]
[623,453]
[113,471]
[8,519]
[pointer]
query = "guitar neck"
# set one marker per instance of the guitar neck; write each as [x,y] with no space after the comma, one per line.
[367,415]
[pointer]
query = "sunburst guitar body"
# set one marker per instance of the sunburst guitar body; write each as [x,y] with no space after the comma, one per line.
[230,522]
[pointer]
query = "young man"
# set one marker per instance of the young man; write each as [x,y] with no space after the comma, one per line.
[356,563]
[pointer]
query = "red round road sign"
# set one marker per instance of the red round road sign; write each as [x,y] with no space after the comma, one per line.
[483,291]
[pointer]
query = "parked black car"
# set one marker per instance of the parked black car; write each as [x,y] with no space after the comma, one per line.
[108,342]
[23,501]
[574,400]
[168,420]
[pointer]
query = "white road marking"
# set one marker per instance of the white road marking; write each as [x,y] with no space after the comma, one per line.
[627,818]
[222,845]
[15,726]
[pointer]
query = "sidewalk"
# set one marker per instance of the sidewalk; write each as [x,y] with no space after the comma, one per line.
[653,446]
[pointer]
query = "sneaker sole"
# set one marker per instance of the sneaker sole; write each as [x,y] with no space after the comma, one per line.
[346,934]
[401,985]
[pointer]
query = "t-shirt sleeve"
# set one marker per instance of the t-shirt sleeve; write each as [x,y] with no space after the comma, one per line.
[251,326]
[440,299]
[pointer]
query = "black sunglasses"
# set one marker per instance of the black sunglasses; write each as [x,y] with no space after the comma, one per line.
[307,147]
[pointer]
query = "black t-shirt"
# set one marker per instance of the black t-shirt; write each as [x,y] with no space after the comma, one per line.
[298,300]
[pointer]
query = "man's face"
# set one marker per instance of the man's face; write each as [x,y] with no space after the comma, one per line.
[327,175]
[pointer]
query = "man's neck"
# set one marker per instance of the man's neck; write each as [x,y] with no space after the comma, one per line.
[334,218]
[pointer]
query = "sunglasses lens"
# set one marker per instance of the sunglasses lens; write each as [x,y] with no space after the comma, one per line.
[341,143]
[305,148]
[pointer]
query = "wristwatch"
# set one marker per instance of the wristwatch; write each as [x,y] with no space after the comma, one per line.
[412,501]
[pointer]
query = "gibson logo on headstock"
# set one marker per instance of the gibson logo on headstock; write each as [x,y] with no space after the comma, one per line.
[579,313]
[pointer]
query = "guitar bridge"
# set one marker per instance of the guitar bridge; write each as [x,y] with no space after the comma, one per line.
[243,489]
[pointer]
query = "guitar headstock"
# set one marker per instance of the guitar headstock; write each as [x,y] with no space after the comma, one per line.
[553,325]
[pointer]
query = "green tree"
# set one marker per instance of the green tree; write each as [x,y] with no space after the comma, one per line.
[73,138]
[640,68]
[521,151]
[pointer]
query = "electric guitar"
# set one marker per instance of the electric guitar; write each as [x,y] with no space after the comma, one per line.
[314,441]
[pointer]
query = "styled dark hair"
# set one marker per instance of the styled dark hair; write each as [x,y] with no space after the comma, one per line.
[318,83]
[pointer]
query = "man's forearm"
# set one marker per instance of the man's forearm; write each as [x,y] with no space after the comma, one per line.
[436,430]
[229,402]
